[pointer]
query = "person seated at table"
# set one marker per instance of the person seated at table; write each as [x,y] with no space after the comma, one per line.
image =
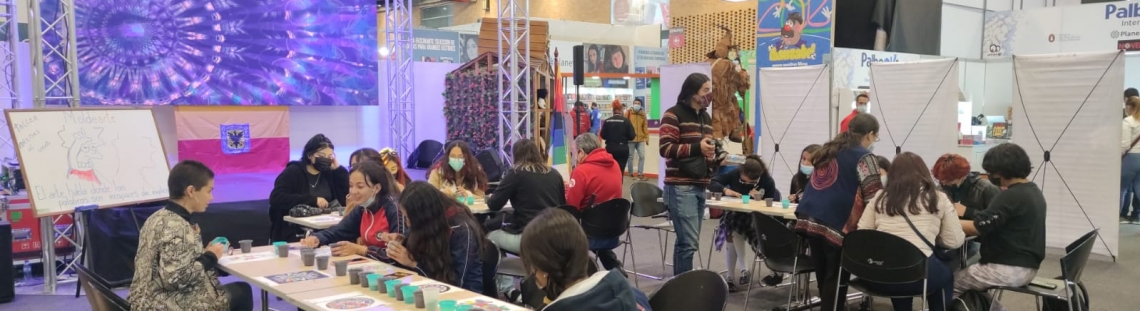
[914,200]
[316,180]
[530,186]
[172,270]
[443,240]
[558,259]
[364,154]
[596,180]
[884,167]
[459,173]
[362,231]
[391,161]
[750,178]
[965,188]
[1011,230]
[802,177]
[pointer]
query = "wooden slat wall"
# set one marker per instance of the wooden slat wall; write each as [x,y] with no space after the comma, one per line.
[539,37]
[703,31]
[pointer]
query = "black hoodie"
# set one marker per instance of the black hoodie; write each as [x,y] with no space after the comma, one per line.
[292,188]
[603,291]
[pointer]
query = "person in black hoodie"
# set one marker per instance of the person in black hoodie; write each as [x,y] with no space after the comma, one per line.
[617,131]
[557,253]
[316,180]
[531,186]
[365,229]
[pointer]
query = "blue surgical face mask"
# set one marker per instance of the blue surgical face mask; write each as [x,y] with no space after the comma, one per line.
[456,164]
[806,169]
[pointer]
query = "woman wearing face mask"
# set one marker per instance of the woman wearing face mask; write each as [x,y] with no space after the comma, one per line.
[172,271]
[751,178]
[800,179]
[884,167]
[637,117]
[845,176]
[559,260]
[459,174]
[316,180]
[362,231]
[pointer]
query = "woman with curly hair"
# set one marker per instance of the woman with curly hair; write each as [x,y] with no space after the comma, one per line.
[459,173]
[444,242]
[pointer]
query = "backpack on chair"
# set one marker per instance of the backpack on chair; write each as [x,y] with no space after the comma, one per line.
[1052,304]
[972,300]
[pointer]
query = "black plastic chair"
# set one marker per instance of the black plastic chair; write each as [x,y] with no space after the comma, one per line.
[782,250]
[694,290]
[99,292]
[425,154]
[645,205]
[884,258]
[491,257]
[1072,267]
[608,220]
[492,164]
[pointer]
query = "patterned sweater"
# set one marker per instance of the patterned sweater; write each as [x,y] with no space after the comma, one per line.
[172,270]
[681,132]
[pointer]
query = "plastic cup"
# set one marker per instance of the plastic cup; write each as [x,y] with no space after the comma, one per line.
[419,299]
[341,267]
[785,203]
[708,195]
[373,281]
[471,200]
[246,246]
[322,262]
[717,196]
[397,291]
[308,258]
[364,278]
[409,293]
[768,202]
[390,287]
[745,198]
[447,305]
[431,299]
[282,249]
[353,276]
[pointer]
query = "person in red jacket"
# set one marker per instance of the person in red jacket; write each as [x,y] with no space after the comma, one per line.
[860,107]
[581,118]
[596,180]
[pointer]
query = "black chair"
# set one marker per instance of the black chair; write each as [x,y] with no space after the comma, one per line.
[694,290]
[782,250]
[884,258]
[490,258]
[1072,267]
[608,220]
[99,292]
[645,204]
[425,154]
[493,166]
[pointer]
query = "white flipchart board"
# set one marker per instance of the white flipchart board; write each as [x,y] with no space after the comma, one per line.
[916,104]
[77,157]
[672,78]
[1070,104]
[794,114]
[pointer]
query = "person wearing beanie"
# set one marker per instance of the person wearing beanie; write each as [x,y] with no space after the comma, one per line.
[968,190]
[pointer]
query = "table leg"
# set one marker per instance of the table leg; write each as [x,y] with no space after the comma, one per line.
[264,300]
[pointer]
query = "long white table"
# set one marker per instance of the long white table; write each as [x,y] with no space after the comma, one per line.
[737,205]
[321,222]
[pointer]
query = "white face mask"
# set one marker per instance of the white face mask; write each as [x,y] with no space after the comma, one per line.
[861,108]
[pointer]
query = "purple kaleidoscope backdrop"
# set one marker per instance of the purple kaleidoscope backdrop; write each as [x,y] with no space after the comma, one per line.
[227,52]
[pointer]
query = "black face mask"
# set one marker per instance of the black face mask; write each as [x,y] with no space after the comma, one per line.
[322,164]
[950,189]
[994,180]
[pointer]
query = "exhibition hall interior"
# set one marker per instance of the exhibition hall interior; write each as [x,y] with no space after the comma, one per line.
[587,155]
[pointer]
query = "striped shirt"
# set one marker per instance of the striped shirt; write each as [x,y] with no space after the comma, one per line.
[681,132]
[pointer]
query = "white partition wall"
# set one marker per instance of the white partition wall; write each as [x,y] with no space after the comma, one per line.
[916,104]
[672,78]
[1068,106]
[793,114]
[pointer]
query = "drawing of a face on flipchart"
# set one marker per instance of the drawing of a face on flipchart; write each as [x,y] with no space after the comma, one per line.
[83,151]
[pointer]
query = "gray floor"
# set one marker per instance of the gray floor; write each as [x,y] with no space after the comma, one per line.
[1110,283]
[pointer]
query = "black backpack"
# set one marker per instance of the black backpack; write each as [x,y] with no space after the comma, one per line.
[1053,304]
[972,300]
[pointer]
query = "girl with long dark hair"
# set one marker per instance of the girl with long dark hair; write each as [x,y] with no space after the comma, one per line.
[373,216]
[750,178]
[459,173]
[443,241]
[845,175]
[316,180]
[912,197]
[800,179]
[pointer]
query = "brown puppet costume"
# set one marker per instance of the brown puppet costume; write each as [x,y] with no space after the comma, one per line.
[728,79]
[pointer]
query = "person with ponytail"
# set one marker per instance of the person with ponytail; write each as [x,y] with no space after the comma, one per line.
[800,179]
[845,175]
[443,241]
[558,259]
[750,178]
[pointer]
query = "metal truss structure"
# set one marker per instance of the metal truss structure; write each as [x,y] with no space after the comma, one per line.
[397,56]
[514,73]
[9,75]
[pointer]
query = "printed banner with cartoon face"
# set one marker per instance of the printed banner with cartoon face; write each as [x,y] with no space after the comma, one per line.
[793,33]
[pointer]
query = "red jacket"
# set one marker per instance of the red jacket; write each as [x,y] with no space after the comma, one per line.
[598,176]
[581,121]
[843,125]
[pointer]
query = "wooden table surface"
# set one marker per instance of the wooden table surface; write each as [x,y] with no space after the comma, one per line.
[737,205]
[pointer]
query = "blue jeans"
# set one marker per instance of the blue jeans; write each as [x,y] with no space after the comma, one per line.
[939,287]
[638,149]
[686,206]
[1129,183]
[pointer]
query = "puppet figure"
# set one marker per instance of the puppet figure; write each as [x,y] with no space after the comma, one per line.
[729,80]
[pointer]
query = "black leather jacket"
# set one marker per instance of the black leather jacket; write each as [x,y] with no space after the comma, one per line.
[975,193]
